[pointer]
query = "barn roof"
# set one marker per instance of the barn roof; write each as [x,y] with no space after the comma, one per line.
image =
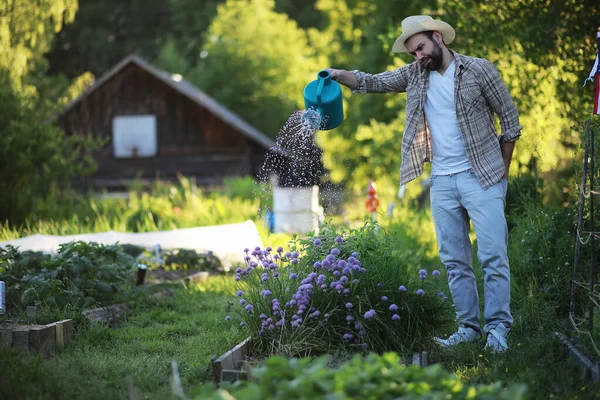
[187,89]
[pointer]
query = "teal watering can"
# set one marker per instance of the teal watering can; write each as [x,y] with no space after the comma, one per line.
[324,96]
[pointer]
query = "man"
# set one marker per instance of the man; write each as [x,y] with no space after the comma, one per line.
[450,107]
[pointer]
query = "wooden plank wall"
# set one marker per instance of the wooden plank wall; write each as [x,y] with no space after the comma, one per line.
[191,140]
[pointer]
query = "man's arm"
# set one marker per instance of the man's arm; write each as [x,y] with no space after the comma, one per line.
[497,95]
[394,81]
[344,77]
[507,150]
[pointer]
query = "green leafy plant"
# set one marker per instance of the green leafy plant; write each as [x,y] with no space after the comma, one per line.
[81,274]
[372,377]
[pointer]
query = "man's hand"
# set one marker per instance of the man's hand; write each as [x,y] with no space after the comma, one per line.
[343,77]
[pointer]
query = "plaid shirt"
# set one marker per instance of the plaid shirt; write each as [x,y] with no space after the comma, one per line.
[479,92]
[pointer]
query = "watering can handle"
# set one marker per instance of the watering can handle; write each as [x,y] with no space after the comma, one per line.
[320,89]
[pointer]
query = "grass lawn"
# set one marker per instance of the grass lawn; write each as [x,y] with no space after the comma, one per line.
[189,327]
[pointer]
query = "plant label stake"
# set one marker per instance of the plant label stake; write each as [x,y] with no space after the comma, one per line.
[2,298]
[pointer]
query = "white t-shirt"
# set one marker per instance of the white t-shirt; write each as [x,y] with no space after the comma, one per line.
[449,154]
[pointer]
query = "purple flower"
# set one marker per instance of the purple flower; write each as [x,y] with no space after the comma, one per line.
[355,254]
[266,293]
[246,250]
[326,316]
[242,302]
[384,298]
[348,336]
[355,281]
[338,239]
[280,249]
[288,255]
[452,274]
[262,316]
[349,305]
[268,248]
[364,346]
[242,323]
[237,277]
[435,272]
[349,318]
[317,265]
[294,261]
[441,294]
[420,292]
[422,272]
[369,314]
[239,293]
[317,242]
[227,318]
[393,307]
[249,308]
[395,317]
[293,275]
[275,274]
[402,288]
[295,254]
[346,291]
[335,251]
[379,284]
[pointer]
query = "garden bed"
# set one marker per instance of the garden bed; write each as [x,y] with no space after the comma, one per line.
[589,368]
[37,338]
[112,313]
[236,364]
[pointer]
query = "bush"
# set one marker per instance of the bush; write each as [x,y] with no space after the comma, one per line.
[353,292]
[373,377]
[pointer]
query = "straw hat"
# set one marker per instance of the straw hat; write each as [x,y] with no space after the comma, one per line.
[422,23]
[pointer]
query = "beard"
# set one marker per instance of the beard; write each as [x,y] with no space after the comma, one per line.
[434,61]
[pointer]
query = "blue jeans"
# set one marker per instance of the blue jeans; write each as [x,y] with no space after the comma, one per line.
[455,199]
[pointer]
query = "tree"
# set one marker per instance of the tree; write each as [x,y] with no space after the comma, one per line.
[257,62]
[36,157]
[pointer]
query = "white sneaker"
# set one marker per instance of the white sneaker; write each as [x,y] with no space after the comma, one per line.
[497,339]
[464,335]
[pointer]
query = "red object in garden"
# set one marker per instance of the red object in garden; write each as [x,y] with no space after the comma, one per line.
[373,201]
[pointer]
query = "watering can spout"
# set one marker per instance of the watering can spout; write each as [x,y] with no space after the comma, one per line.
[324,96]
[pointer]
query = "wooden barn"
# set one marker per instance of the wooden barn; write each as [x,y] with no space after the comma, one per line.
[159,126]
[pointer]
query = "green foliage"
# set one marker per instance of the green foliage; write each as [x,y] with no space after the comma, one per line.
[350,291]
[372,377]
[37,159]
[81,274]
[27,33]
[541,250]
[183,259]
[256,62]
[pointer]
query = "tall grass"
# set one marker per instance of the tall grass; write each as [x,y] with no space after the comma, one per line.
[164,206]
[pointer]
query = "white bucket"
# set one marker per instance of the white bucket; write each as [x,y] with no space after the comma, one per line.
[296,210]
